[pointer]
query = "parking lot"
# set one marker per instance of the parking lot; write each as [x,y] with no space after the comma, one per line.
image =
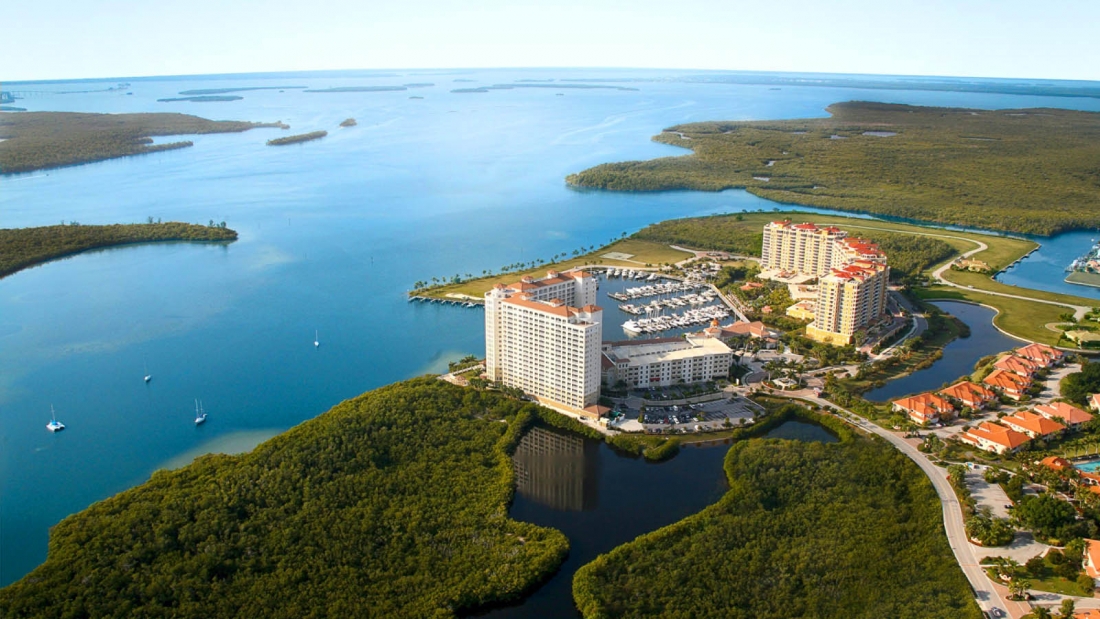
[695,417]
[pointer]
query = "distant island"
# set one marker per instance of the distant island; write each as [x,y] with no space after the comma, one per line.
[297,139]
[44,140]
[349,122]
[1028,170]
[360,89]
[21,248]
[222,91]
[522,84]
[202,99]
[419,85]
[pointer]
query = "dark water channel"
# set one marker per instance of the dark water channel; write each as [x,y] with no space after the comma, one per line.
[601,499]
[959,356]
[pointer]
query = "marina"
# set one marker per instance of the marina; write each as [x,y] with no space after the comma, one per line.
[689,318]
[654,290]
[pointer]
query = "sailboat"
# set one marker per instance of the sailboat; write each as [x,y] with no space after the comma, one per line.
[316,340]
[200,415]
[148,376]
[54,425]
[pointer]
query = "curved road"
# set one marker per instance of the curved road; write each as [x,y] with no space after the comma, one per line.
[1079,311]
[984,591]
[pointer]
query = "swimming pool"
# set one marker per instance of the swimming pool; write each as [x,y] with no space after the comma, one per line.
[1088,467]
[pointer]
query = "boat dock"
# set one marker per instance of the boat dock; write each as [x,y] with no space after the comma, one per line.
[416,298]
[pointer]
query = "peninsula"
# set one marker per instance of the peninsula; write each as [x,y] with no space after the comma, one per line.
[803,527]
[1027,170]
[391,504]
[32,141]
[297,139]
[21,248]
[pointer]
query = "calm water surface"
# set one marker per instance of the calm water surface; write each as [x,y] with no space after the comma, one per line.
[332,233]
[959,356]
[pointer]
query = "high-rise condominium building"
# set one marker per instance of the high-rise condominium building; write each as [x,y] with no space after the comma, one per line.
[543,336]
[811,250]
[849,299]
[800,248]
[852,275]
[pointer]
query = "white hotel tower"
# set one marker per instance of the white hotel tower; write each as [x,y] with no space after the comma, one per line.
[543,336]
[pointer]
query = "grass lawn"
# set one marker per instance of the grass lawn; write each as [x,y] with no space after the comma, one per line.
[983,282]
[1049,582]
[1086,279]
[1016,316]
[643,252]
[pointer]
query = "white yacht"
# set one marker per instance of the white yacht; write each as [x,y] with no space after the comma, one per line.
[148,376]
[54,425]
[200,415]
[316,340]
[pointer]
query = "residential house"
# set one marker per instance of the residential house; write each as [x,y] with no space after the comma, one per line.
[1007,383]
[1094,401]
[1035,426]
[969,394]
[1064,413]
[1092,558]
[995,438]
[1020,366]
[925,408]
[1042,354]
[1090,613]
[1056,463]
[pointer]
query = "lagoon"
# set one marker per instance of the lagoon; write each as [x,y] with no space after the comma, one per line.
[959,356]
[332,234]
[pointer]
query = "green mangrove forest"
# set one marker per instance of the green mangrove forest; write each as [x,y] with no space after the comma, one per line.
[846,530]
[297,139]
[21,248]
[391,504]
[743,234]
[1023,170]
[42,140]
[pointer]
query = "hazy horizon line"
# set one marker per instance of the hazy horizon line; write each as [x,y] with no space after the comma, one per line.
[390,72]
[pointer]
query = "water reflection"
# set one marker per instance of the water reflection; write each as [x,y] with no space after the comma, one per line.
[557,470]
[802,431]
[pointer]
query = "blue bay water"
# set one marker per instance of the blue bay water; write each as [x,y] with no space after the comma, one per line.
[332,233]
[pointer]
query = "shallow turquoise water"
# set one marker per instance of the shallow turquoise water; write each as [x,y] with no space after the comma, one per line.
[332,234]
[1088,467]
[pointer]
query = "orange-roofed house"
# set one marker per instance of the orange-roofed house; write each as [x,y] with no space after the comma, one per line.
[1092,558]
[995,438]
[969,394]
[1056,463]
[1041,354]
[1035,426]
[925,408]
[1020,366]
[1091,613]
[1064,413]
[1011,385]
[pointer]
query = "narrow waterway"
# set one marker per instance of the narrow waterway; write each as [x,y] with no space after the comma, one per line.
[959,356]
[601,499]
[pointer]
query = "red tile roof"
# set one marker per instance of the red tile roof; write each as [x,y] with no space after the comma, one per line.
[1071,414]
[1007,381]
[968,392]
[927,406]
[999,435]
[1056,463]
[1030,423]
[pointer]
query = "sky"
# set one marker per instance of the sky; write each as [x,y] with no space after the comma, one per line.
[68,39]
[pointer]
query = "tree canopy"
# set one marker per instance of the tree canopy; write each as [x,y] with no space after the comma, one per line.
[24,247]
[1025,170]
[851,529]
[391,504]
